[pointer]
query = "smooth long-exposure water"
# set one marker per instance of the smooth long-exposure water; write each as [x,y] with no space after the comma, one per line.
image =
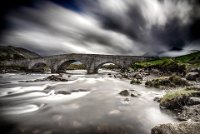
[91,104]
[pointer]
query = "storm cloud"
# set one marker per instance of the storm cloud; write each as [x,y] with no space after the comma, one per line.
[128,27]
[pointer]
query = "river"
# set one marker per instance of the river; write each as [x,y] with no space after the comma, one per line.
[93,106]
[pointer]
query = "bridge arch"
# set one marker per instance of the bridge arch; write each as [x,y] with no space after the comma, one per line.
[107,62]
[63,65]
[39,67]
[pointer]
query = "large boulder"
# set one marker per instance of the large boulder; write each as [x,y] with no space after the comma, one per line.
[177,128]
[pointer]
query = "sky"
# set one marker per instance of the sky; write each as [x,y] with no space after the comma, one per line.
[118,27]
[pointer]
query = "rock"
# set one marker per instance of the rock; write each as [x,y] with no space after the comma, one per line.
[155,71]
[138,76]
[178,81]
[140,70]
[124,93]
[51,78]
[193,76]
[194,69]
[135,81]
[157,99]
[190,113]
[134,95]
[176,103]
[177,128]
[56,78]
[179,98]
[63,92]
[146,73]
[125,76]
[194,101]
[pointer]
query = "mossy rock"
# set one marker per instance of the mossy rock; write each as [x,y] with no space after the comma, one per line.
[178,81]
[178,98]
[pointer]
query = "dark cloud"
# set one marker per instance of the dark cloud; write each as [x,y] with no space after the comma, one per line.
[131,26]
[181,18]
[172,34]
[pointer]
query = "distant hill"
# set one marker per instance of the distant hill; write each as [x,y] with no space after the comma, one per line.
[190,60]
[193,58]
[16,53]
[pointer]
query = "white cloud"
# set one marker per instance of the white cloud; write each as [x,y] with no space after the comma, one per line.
[158,13]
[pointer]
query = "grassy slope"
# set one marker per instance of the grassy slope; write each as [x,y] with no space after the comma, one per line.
[193,58]
[190,60]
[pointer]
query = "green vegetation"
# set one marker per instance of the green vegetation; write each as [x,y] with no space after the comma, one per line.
[177,64]
[178,98]
[76,67]
[110,67]
[172,81]
[193,58]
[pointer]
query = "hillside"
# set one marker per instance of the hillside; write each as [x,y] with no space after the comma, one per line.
[193,58]
[15,53]
[175,63]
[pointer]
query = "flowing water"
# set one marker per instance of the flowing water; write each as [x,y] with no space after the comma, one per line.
[91,105]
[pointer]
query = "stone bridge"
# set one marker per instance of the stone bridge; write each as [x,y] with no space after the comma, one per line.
[92,61]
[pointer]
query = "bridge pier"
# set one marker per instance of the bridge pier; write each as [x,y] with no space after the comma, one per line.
[92,71]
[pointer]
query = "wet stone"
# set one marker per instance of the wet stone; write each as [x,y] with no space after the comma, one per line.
[157,99]
[63,92]
[133,95]
[124,93]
